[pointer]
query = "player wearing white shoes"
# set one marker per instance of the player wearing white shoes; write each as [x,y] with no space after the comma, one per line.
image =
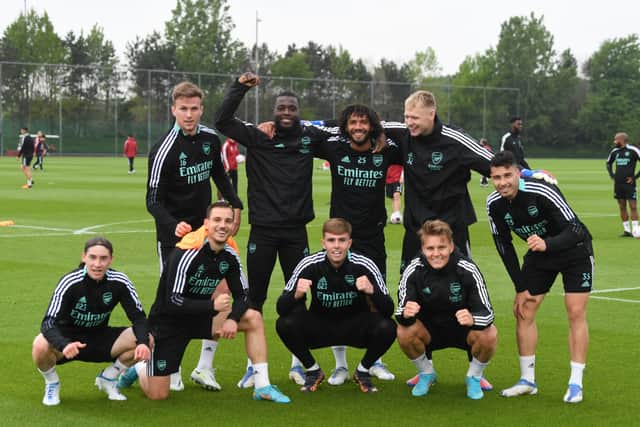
[358,173]
[76,325]
[184,310]
[625,156]
[350,305]
[443,302]
[558,242]
[279,189]
[181,166]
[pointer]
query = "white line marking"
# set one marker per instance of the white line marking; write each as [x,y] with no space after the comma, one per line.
[601,291]
[86,230]
[616,299]
[17,236]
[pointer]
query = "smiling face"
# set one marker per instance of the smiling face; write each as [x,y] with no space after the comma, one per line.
[187,111]
[359,129]
[506,180]
[337,247]
[437,249]
[219,225]
[419,119]
[97,260]
[286,112]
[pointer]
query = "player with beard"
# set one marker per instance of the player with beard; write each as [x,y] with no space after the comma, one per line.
[511,142]
[358,175]
[279,175]
[625,156]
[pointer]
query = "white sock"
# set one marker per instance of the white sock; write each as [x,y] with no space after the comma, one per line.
[528,368]
[295,361]
[476,368]
[261,374]
[50,376]
[141,369]
[314,367]
[112,372]
[626,226]
[340,354]
[249,364]
[207,352]
[634,228]
[362,368]
[576,373]
[423,364]
[379,361]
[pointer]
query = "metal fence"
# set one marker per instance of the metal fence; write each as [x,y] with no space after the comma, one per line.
[92,109]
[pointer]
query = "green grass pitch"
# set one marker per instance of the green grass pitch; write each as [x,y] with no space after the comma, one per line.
[76,198]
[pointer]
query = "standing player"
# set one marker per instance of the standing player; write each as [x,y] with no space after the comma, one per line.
[25,155]
[438,160]
[484,180]
[184,310]
[130,150]
[344,287]
[511,142]
[558,243]
[279,176]
[357,195]
[40,150]
[230,161]
[75,326]
[625,156]
[393,190]
[443,302]
[181,165]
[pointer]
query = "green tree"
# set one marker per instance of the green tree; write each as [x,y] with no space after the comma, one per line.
[423,66]
[613,103]
[91,83]
[30,90]
[393,85]
[200,30]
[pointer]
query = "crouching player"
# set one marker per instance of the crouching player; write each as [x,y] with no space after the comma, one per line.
[75,326]
[442,303]
[184,310]
[350,305]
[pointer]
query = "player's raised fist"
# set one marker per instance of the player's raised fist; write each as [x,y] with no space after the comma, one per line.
[249,79]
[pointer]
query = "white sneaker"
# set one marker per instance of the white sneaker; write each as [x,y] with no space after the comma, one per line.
[380,371]
[396,218]
[521,388]
[176,383]
[109,386]
[573,394]
[296,374]
[206,378]
[339,376]
[248,380]
[51,394]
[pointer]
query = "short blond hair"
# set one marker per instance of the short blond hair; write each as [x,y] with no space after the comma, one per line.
[186,90]
[622,135]
[421,98]
[336,226]
[435,227]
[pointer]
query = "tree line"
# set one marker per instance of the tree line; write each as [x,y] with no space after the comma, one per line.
[566,110]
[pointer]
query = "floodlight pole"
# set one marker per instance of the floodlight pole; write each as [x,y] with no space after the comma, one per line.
[257,59]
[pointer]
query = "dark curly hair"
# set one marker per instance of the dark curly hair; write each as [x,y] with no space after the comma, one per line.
[360,110]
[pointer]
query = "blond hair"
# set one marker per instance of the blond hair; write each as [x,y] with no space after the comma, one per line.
[336,226]
[421,98]
[435,227]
